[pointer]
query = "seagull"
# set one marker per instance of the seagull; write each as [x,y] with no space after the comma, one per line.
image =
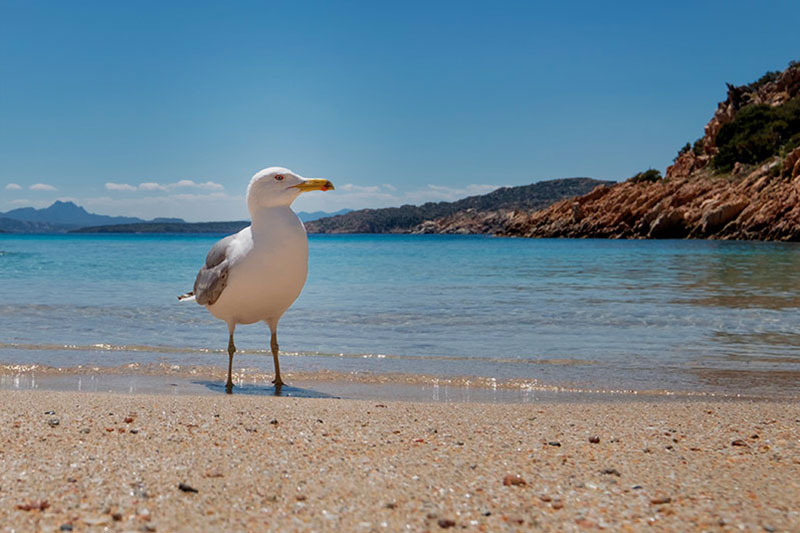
[256,274]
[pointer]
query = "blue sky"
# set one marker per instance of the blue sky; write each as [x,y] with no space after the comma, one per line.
[399,102]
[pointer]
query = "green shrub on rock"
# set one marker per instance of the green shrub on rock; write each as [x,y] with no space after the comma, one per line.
[648,176]
[685,149]
[757,133]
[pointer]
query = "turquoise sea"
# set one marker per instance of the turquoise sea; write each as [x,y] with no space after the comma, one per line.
[589,315]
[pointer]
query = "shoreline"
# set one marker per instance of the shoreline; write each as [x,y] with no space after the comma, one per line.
[266,463]
[163,378]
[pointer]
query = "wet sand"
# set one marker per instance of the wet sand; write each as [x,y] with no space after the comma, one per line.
[206,462]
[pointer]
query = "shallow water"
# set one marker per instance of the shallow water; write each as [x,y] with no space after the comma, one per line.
[692,316]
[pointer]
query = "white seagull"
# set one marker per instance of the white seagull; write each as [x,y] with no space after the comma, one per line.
[258,273]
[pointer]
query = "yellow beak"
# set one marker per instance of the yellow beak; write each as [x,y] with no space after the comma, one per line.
[314,185]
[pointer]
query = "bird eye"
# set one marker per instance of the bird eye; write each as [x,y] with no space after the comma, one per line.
[278,178]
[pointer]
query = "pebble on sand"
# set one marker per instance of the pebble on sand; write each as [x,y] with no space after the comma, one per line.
[187,488]
[33,506]
[514,479]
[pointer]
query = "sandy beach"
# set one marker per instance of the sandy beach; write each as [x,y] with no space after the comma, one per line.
[89,461]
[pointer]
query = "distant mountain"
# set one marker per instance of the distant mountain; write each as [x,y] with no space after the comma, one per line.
[423,218]
[168,227]
[60,217]
[308,217]
[67,214]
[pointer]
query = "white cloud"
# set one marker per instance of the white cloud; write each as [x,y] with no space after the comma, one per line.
[42,187]
[181,184]
[209,185]
[151,186]
[111,186]
[370,189]
[13,187]
[193,207]
[192,197]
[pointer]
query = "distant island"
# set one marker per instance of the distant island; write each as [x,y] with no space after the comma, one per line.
[474,214]
[67,217]
[61,217]
[191,227]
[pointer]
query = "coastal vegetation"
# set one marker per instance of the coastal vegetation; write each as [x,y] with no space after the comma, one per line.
[757,133]
[648,176]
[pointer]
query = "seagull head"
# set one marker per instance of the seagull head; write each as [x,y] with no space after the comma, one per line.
[278,186]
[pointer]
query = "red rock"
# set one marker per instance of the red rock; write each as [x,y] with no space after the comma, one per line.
[669,225]
[33,506]
[756,207]
[716,218]
[791,165]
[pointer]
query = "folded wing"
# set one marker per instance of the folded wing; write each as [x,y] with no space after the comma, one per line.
[213,277]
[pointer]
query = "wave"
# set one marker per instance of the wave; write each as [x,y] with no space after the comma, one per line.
[103,347]
[155,376]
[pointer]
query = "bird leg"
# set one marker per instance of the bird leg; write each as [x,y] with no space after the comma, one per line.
[273,343]
[231,351]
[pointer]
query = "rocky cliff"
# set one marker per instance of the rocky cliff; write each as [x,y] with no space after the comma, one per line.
[740,180]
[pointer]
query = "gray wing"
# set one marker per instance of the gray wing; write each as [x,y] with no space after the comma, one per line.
[213,277]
